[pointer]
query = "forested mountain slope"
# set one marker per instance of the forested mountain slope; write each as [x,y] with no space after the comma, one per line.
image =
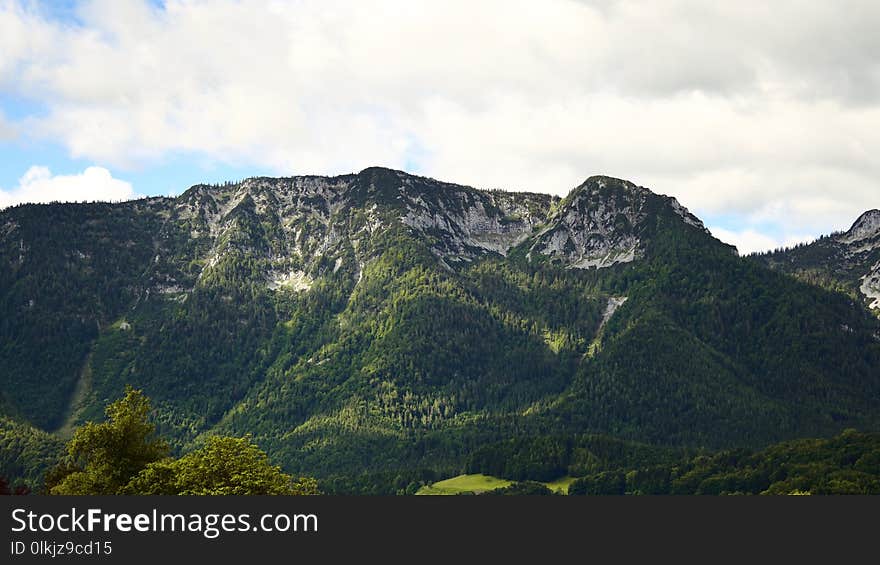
[381,321]
[848,262]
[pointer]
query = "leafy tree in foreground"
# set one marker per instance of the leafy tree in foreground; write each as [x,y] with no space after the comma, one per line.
[103,458]
[224,466]
[125,456]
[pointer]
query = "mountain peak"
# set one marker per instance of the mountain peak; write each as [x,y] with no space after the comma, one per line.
[607,179]
[598,183]
[376,169]
[866,227]
[602,222]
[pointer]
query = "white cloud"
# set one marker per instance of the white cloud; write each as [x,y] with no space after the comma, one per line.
[768,112]
[39,185]
[750,240]
[7,130]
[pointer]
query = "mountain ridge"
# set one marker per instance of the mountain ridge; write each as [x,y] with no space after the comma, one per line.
[381,321]
[867,226]
[847,261]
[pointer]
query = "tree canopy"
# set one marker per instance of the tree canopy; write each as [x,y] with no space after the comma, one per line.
[124,455]
[103,457]
[224,466]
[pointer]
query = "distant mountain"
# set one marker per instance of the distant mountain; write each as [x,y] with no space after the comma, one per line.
[848,261]
[383,322]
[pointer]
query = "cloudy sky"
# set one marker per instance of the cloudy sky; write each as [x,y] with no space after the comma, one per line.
[762,117]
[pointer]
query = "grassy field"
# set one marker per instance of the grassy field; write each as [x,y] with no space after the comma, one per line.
[561,485]
[464,483]
[483,483]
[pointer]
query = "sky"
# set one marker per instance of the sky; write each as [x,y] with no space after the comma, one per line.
[763,118]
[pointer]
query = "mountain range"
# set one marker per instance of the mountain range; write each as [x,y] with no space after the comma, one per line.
[847,262]
[386,323]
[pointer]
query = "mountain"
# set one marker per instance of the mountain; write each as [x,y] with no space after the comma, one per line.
[387,323]
[848,261]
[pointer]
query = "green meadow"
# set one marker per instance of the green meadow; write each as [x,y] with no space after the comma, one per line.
[483,483]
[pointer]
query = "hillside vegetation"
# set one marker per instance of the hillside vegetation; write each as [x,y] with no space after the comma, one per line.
[381,331]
